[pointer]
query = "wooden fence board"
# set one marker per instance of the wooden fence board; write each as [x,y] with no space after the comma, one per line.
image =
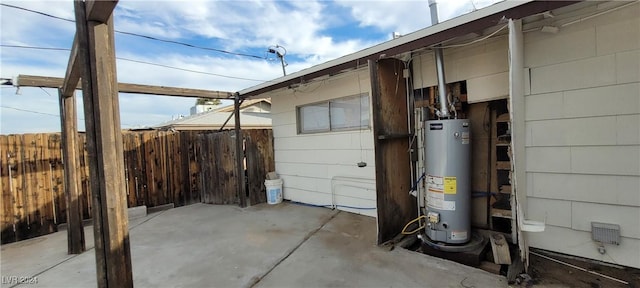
[260,161]
[195,169]
[8,213]
[17,172]
[226,167]
[57,175]
[160,167]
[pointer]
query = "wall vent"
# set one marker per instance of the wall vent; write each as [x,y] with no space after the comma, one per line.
[605,233]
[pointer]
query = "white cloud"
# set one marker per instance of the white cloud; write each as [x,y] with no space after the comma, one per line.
[408,15]
[242,26]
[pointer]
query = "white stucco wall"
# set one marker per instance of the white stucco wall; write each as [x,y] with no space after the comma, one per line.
[321,168]
[583,134]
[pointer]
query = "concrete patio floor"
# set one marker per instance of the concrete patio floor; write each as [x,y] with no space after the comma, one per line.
[284,245]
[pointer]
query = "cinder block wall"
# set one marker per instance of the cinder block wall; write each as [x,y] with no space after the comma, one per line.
[583,134]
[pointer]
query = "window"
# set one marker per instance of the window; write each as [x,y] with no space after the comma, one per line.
[348,113]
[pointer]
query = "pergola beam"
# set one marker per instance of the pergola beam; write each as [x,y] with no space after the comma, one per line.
[74,70]
[55,82]
[100,11]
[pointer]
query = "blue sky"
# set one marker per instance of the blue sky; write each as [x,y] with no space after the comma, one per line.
[312,32]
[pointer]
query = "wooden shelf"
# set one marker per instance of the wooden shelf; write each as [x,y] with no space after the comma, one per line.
[503,165]
[506,189]
[503,118]
[501,213]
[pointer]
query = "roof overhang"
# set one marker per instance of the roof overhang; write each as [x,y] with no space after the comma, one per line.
[456,27]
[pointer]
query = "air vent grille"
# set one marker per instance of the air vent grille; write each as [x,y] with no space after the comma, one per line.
[605,233]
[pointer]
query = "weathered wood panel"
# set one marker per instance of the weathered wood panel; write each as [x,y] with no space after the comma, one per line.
[160,167]
[259,162]
[218,168]
[8,214]
[396,206]
[480,118]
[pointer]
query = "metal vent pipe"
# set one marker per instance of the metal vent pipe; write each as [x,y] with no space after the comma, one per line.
[442,84]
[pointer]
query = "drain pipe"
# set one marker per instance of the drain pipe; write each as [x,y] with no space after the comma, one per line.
[443,112]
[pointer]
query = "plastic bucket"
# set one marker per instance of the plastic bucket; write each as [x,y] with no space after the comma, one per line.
[274,191]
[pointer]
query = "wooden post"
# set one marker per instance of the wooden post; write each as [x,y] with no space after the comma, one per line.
[68,118]
[239,154]
[104,143]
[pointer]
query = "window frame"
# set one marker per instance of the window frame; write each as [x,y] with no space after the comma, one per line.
[299,120]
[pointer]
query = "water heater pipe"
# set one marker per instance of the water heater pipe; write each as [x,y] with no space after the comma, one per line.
[442,84]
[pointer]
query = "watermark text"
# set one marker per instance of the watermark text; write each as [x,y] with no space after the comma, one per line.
[13,280]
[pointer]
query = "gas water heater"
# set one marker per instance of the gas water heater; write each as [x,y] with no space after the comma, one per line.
[448,189]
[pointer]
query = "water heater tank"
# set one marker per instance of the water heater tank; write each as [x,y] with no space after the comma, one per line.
[448,181]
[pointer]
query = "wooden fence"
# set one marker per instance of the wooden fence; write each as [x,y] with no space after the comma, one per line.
[160,168]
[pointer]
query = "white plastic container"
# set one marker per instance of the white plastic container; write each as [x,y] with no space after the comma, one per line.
[274,191]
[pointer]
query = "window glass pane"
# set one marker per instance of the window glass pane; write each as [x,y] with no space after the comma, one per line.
[314,117]
[350,112]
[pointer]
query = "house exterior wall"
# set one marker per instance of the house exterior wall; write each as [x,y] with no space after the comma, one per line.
[321,168]
[582,122]
[582,125]
[485,67]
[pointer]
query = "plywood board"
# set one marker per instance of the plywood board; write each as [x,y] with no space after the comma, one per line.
[395,205]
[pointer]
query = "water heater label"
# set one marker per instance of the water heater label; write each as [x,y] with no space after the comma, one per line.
[450,185]
[436,200]
[465,138]
[435,126]
[436,188]
[458,235]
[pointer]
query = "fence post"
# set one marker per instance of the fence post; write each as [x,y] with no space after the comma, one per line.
[239,153]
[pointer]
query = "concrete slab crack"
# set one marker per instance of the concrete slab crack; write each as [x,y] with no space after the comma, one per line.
[256,280]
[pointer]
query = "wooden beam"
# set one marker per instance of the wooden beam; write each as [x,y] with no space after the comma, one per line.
[68,117]
[104,142]
[74,70]
[55,82]
[239,153]
[173,91]
[100,11]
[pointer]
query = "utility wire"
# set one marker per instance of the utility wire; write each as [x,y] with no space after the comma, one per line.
[143,36]
[189,70]
[37,12]
[30,111]
[137,61]
[34,47]
[190,45]
[48,114]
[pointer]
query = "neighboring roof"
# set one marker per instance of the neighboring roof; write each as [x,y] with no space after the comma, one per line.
[459,26]
[214,120]
[245,104]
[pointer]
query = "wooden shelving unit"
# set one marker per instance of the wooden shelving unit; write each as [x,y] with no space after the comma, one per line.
[500,205]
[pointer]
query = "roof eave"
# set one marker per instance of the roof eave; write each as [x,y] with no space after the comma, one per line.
[475,21]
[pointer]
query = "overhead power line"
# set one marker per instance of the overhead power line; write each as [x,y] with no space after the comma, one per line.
[34,47]
[37,12]
[48,114]
[29,111]
[144,36]
[138,61]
